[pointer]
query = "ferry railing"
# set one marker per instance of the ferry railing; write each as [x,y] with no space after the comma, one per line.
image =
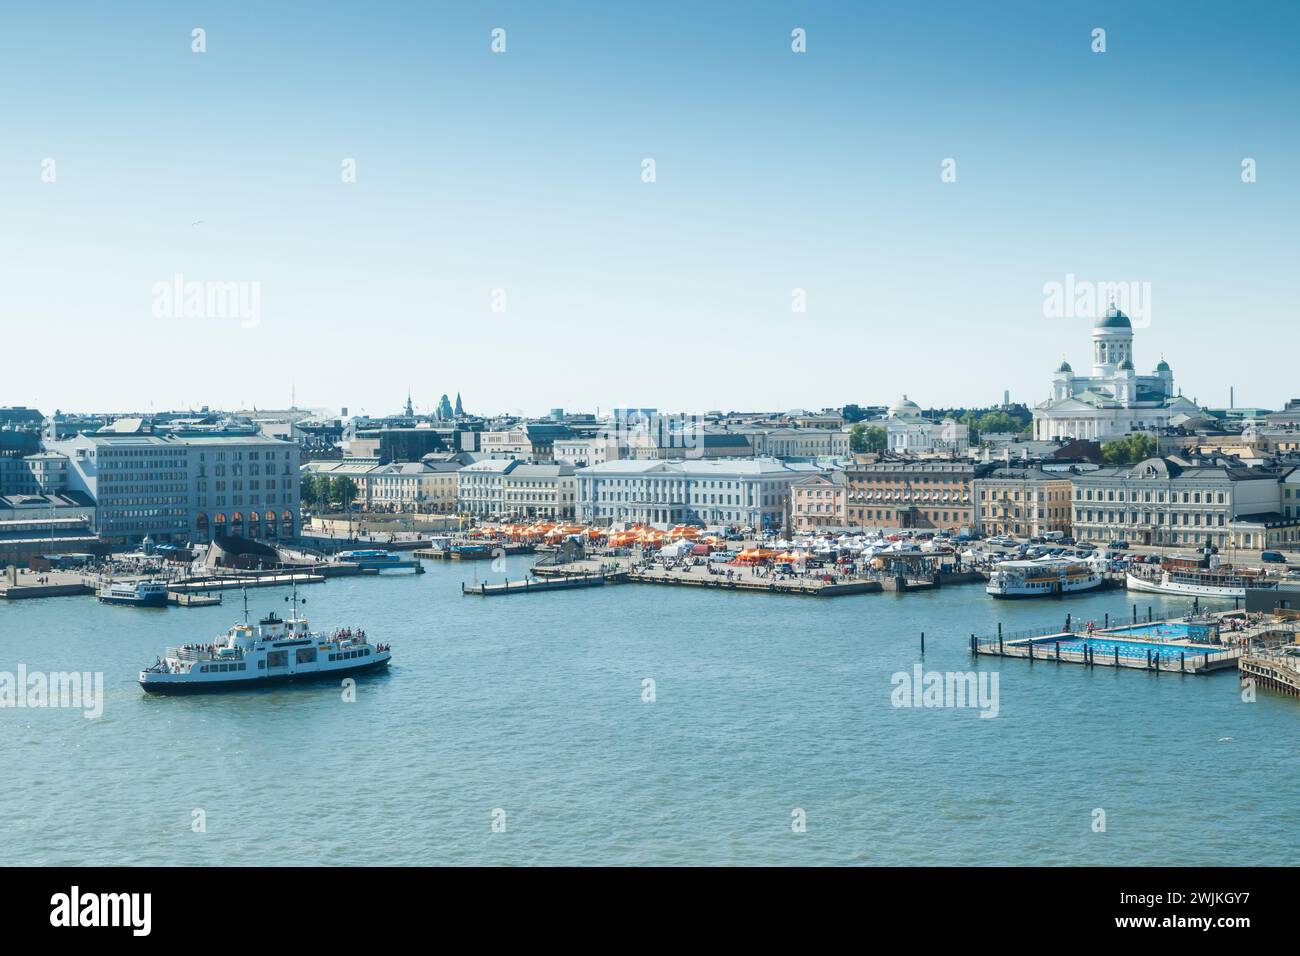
[195,655]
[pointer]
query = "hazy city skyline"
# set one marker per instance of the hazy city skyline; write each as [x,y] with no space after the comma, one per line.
[522,171]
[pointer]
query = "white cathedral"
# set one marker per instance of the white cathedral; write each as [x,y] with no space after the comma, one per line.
[1113,401]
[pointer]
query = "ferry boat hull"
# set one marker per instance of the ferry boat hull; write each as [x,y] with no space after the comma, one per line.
[158,683]
[135,600]
[1012,580]
[1164,585]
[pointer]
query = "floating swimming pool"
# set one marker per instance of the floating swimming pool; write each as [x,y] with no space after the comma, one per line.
[1103,647]
[1164,631]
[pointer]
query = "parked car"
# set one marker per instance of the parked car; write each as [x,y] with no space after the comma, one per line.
[1272,557]
[1119,545]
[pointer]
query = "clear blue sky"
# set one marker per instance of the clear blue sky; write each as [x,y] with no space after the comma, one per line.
[521,171]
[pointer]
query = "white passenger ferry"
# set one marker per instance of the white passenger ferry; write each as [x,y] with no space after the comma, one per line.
[272,651]
[1046,577]
[1191,578]
[134,593]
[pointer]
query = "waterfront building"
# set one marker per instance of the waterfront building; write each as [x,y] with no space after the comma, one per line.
[511,488]
[417,486]
[911,433]
[1173,501]
[539,490]
[819,503]
[481,487]
[737,492]
[1025,502]
[1114,400]
[187,485]
[920,493]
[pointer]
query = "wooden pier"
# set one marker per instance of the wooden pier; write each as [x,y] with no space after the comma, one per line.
[193,598]
[261,581]
[1273,672]
[474,552]
[16,592]
[533,585]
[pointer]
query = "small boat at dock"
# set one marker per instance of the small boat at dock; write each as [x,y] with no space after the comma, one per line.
[1049,577]
[133,593]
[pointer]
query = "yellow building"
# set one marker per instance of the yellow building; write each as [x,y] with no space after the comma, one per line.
[1023,502]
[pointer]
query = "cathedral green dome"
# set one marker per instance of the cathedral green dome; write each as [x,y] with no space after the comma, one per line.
[1113,319]
[1163,366]
[1065,367]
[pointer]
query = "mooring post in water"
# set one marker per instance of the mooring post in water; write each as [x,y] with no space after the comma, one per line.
[1157,662]
[1148,613]
[1117,655]
[1196,605]
[972,644]
[1030,645]
[1182,661]
[1067,623]
[1058,650]
[923,643]
[1148,658]
[999,630]
[1135,613]
[999,644]
[1107,619]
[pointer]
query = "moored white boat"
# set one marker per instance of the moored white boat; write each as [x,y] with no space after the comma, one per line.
[133,593]
[1050,577]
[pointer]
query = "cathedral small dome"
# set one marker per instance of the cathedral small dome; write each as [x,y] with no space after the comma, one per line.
[1113,319]
[904,406]
[1065,367]
[1163,366]
[1126,365]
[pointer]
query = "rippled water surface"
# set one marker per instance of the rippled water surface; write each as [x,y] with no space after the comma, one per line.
[533,705]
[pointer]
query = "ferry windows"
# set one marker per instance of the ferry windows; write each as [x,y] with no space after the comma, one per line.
[306,655]
[277,659]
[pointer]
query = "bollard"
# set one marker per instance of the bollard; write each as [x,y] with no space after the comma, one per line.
[1117,655]
[1067,623]
[1182,661]
[1107,619]
[1148,613]
[1135,613]
[1148,658]
[1000,654]
[923,643]
[1058,651]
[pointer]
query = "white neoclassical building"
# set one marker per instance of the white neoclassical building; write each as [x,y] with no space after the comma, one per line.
[911,433]
[1114,400]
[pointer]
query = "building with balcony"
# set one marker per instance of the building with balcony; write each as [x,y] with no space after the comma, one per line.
[1024,502]
[912,493]
[1172,501]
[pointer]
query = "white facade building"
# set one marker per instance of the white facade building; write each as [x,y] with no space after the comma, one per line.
[741,492]
[1114,400]
[911,433]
